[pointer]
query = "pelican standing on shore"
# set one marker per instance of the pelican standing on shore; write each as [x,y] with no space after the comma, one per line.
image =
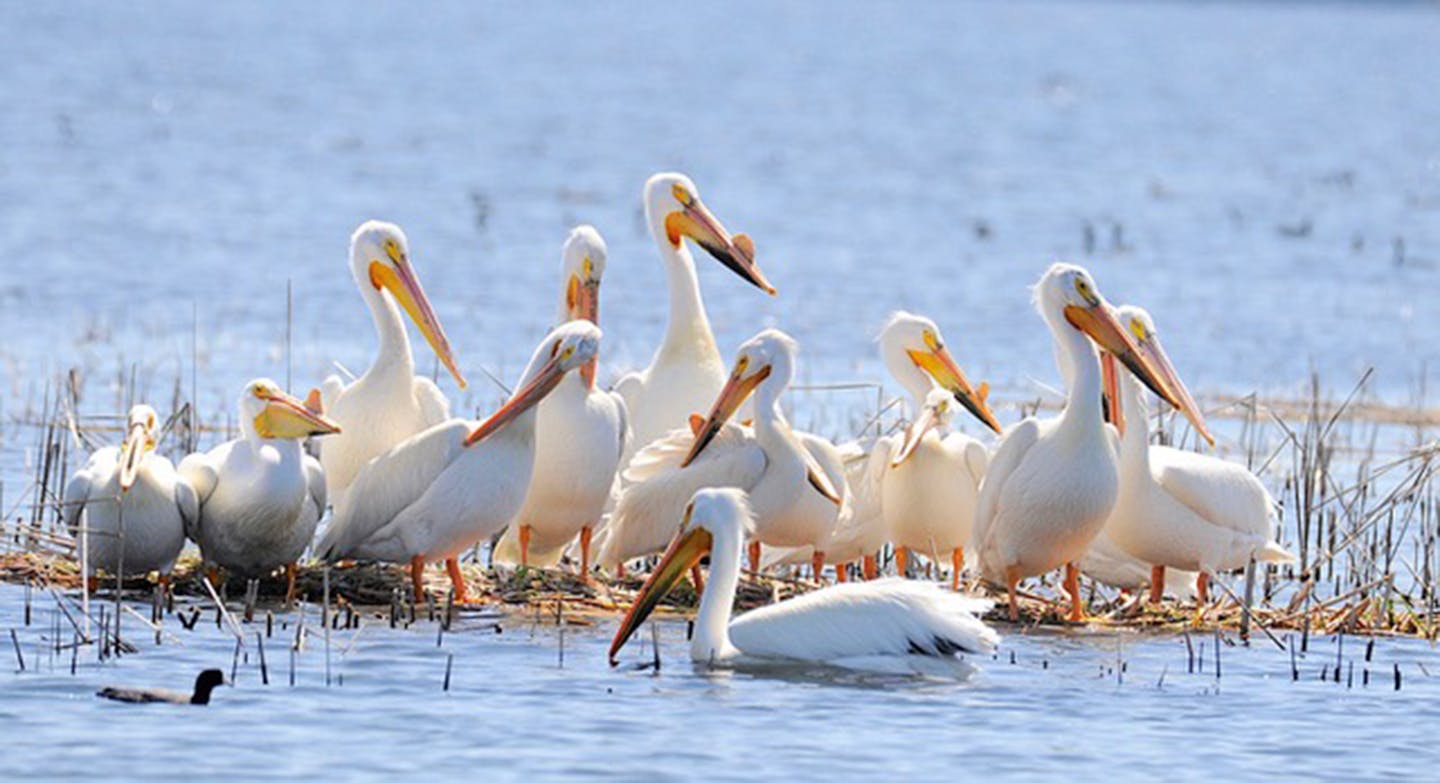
[687,371]
[1052,483]
[890,624]
[438,493]
[1178,509]
[579,434]
[389,403]
[134,504]
[795,495]
[259,496]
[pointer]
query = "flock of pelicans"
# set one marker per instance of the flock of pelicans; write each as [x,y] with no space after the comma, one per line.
[612,476]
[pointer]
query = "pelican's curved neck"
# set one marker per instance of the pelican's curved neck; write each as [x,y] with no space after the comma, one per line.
[688,329]
[394,350]
[1080,366]
[711,641]
[1135,441]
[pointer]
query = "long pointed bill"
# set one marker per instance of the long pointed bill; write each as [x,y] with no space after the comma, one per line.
[582,302]
[737,252]
[736,390]
[401,282]
[685,551]
[287,417]
[1100,323]
[132,453]
[942,367]
[915,433]
[522,400]
[1110,383]
[1155,353]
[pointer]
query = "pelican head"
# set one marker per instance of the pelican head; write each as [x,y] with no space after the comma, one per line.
[567,347]
[769,353]
[582,265]
[714,518]
[674,211]
[141,434]
[1142,327]
[934,414]
[914,351]
[1066,293]
[274,414]
[380,258]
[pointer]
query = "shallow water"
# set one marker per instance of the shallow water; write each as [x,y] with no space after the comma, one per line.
[514,711]
[1265,177]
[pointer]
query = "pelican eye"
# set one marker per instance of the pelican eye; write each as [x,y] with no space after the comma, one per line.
[569,351]
[931,341]
[1082,286]
[588,268]
[742,363]
[682,195]
[392,249]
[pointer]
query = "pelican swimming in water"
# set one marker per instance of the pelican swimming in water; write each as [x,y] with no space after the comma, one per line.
[389,403]
[687,371]
[1178,509]
[134,503]
[579,434]
[1052,483]
[259,496]
[796,483]
[438,493]
[887,624]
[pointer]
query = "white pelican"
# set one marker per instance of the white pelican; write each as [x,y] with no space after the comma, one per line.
[260,496]
[132,500]
[389,403]
[1107,563]
[687,371]
[795,493]
[857,624]
[1179,509]
[438,493]
[579,434]
[1052,483]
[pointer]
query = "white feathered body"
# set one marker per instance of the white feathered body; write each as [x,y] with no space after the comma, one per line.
[375,412]
[259,503]
[579,435]
[143,528]
[929,499]
[1107,563]
[684,378]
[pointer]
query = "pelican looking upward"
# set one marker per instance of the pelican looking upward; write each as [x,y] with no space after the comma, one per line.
[1052,483]
[688,371]
[438,493]
[579,434]
[389,403]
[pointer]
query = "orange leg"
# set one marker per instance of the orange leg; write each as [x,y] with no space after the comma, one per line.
[619,570]
[1202,588]
[164,582]
[868,565]
[290,572]
[213,574]
[902,559]
[524,546]
[957,564]
[417,577]
[840,569]
[1157,583]
[585,554]
[755,556]
[697,579]
[817,565]
[457,580]
[1012,578]
[1072,586]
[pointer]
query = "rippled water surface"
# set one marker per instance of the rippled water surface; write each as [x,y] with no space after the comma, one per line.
[1264,176]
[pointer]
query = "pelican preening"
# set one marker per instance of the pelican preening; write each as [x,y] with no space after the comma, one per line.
[1052,483]
[687,371]
[438,493]
[1177,509]
[796,486]
[260,496]
[579,434]
[388,403]
[862,625]
[134,503]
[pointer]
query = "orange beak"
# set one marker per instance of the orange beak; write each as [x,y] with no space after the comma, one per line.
[1101,325]
[737,252]
[736,390]
[1111,385]
[522,400]
[582,302]
[285,416]
[941,366]
[132,454]
[1155,353]
[400,280]
[684,552]
[915,433]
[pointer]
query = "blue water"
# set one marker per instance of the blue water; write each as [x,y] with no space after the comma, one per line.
[1265,177]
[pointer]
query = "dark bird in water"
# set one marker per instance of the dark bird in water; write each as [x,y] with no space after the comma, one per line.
[204,684]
